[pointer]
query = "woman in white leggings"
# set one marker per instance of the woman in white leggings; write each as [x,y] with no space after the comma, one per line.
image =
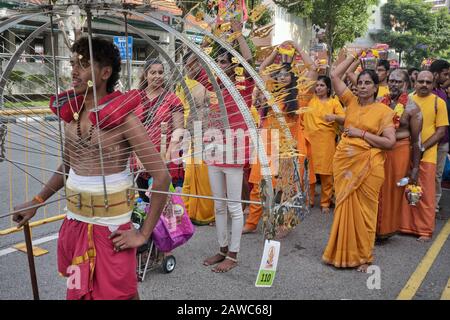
[226,182]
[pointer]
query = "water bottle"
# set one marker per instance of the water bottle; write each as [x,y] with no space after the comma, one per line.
[148,193]
[403,182]
[139,214]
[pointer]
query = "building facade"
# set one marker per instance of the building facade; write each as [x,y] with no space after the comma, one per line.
[439,4]
[37,57]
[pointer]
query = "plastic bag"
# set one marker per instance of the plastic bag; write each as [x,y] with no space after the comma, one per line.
[174,227]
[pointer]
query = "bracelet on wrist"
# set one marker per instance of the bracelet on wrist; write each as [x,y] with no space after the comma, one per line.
[38,199]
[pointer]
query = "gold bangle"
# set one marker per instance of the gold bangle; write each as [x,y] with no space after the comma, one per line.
[38,199]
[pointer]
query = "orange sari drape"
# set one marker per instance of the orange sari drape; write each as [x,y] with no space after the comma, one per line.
[358,170]
[270,122]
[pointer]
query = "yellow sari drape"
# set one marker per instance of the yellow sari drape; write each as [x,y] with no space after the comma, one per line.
[196,182]
[358,170]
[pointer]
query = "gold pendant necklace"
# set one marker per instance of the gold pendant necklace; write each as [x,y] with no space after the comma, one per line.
[76,115]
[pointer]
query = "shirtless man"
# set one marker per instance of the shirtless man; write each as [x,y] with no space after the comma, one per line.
[420,219]
[97,237]
[407,148]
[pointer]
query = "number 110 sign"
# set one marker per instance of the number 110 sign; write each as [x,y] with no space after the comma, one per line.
[269,261]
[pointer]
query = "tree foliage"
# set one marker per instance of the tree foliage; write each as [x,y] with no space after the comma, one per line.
[414,31]
[302,8]
[343,20]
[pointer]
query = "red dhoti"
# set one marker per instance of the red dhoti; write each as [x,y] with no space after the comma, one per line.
[94,269]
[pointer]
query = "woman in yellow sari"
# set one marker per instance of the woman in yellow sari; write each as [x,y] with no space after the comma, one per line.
[358,169]
[196,179]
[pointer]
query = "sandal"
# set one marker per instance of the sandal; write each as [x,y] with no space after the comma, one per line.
[231,259]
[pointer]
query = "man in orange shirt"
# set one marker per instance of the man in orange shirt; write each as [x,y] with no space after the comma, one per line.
[420,220]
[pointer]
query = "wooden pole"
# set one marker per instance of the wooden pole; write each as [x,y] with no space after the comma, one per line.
[34,284]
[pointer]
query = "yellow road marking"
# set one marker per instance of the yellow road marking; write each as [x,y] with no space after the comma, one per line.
[446,293]
[416,279]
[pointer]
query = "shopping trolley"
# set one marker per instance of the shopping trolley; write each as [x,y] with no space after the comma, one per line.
[150,258]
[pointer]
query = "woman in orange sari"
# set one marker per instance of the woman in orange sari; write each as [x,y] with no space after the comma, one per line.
[358,169]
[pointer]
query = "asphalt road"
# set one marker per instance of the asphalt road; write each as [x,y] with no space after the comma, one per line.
[300,274]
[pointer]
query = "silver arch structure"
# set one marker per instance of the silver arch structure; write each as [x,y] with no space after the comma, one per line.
[207,62]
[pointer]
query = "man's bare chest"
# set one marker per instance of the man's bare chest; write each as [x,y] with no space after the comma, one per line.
[84,136]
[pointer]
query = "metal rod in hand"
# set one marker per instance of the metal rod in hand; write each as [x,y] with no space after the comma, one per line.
[29,245]
[38,205]
[204,197]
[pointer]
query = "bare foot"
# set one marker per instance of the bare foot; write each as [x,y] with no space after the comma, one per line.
[248,229]
[325,210]
[424,239]
[214,259]
[226,265]
[363,268]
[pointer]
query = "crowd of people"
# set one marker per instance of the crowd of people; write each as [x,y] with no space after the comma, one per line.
[361,130]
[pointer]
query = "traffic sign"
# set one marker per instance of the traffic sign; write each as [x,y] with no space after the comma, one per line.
[121,43]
